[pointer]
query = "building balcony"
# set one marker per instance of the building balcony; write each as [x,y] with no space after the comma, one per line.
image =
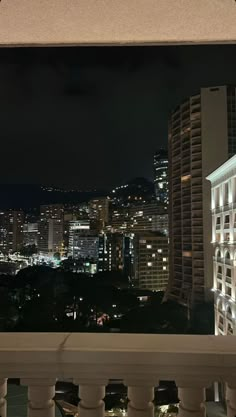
[229,261]
[140,361]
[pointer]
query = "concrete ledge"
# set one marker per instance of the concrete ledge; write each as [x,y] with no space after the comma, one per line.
[116,356]
[91,22]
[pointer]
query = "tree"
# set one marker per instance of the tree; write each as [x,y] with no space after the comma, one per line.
[167,318]
[202,319]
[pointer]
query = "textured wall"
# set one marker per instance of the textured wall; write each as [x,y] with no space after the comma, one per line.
[116,21]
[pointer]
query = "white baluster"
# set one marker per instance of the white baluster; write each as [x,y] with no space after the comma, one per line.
[3,393]
[192,398]
[141,396]
[40,397]
[91,394]
[231,399]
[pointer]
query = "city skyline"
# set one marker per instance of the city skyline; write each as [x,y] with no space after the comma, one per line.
[72,106]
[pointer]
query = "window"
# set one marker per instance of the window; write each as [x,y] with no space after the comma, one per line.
[228,291]
[149,246]
[228,272]
[185,178]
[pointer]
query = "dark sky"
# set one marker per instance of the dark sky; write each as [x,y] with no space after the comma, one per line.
[93,117]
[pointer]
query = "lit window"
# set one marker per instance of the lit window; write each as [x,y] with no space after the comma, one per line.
[159,250]
[164,268]
[164,259]
[187,254]
[149,264]
[149,246]
[153,255]
[185,178]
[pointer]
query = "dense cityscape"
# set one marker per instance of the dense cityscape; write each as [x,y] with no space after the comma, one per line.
[149,255]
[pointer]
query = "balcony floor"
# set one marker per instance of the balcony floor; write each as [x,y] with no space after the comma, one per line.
[215,410]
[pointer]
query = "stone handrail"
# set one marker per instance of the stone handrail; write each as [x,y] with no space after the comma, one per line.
[141,361]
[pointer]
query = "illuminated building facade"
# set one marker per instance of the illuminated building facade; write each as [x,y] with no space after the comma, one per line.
[30,234]
[151,261]
[161,175]
[11,230]
[99,212]
[195,127]
[151,216]
[83,242]
[51,224]
[139,217]
[223,208]
[116,252]
[120,218]
[74,212]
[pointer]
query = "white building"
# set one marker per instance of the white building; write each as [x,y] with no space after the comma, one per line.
[223,206]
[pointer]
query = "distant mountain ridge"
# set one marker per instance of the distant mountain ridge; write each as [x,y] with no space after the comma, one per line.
[25,196]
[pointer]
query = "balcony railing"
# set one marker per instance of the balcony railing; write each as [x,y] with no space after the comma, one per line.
[140,361]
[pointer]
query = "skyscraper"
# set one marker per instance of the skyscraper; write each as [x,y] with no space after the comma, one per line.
[202,135]
[161,175]
[11,230]
[99,212]
[151,261]
[51,229]
[83,242]
[116,253]
[30,234]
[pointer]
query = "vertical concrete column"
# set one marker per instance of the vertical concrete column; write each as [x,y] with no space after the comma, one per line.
[91,394]
[3,393]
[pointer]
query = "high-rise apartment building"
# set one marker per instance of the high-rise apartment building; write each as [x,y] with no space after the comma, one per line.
[161,175]
[223,208]
[30,234]
[99,212]
[151,261]
[202,135]
[50,227]
[11,230]
[149,216]
[83,242]
[116,252]
[139,217]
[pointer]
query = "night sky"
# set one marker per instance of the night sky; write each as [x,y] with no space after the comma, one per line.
[93,117]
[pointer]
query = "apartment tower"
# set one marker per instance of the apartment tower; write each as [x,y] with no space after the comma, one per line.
[160,165]
[202,136]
